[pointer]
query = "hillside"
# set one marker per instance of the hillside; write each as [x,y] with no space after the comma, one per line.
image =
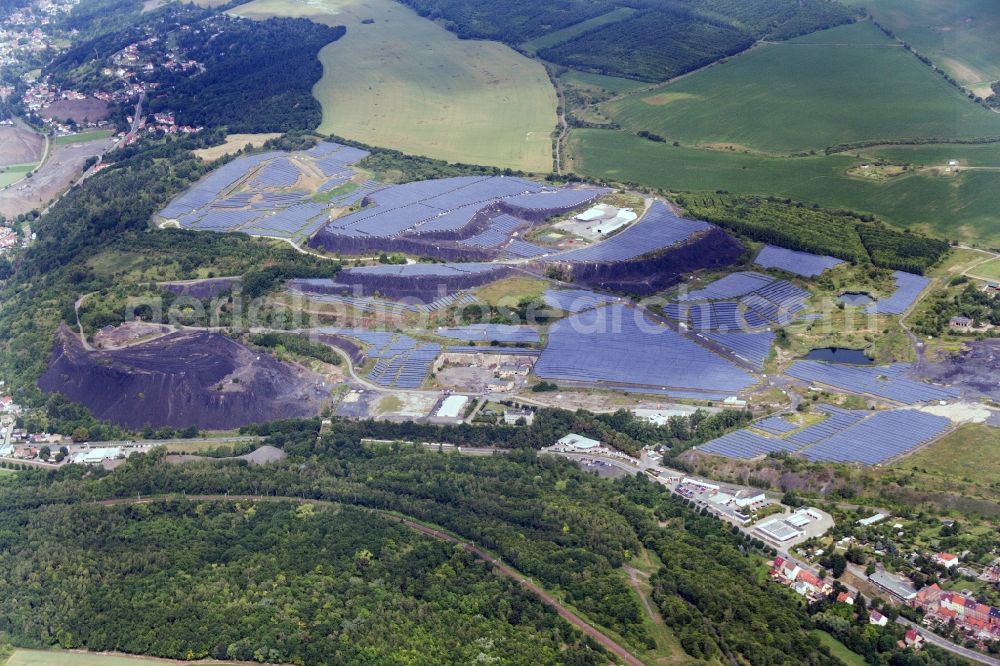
[182,379]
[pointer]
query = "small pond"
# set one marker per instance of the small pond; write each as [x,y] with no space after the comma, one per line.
[839,355]
[856,298]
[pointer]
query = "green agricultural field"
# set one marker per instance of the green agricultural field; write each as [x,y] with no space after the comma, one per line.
[574,31]
[82,137]
[840,86]
[14,173]
[54,658]
[959,206]
[988,271]
[590,81]
[968,459]
[838,649]
[960,36]
[404,82]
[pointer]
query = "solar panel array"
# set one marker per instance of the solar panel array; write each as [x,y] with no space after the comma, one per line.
[619,344]
[775,425]
[731,286]
[510,351]
[519,249]
[763,301]
[716,315]
[491,333]
[401,361]
[744,444]
[211,186]
[844,436]
[793,261]
[251,195]
[751,347]
[837,419]
[278,173]
[880,437]
[658,229]
[501,228]
[423,270]
[908,288]
[326,291]
[885,381]
[405,367]
[577,300]
[450,204]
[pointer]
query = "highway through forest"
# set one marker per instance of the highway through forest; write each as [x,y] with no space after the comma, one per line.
[609,644]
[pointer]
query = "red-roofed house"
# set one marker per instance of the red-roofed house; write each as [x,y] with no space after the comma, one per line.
[845,598]
[947,560]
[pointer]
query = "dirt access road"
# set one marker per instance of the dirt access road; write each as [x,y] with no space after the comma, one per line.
[623,655]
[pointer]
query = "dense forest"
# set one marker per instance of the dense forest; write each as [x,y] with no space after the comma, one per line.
[842,234]
[567,529]
[265,582]
[258,75]
[658,41]
[621,429]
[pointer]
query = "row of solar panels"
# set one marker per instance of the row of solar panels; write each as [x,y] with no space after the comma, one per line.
[850,437]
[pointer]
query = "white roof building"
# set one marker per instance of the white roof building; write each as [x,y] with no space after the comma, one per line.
[452,406]
[94,456]
[578,442]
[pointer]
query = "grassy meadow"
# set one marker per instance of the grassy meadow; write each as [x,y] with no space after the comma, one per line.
[965,461]
[82,137]
[13,173]
[58,658]
[398,80]
[844,85]
[961,206]
[960,36]
[574,31]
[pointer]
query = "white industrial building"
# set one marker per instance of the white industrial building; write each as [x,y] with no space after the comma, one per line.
[578,442]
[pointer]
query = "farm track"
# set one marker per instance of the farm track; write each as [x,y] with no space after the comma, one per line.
[605,641]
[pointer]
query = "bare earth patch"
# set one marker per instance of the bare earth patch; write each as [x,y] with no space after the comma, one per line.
[20,145]
[63,167]
[77,110]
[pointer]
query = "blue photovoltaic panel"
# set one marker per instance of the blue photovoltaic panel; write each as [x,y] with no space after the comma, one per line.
[908,288]
[509,351]
[884,381]
[577,300]
[752,347]
[731,286]
[657,230]
[420,270]
[745,445]
[837,419]
[880,437]
[793,261]
[490,333]
[551,199]
[500,229]
[764,302]
[774,425]
[620,344]
[867,438]
[520,249]
[278,173]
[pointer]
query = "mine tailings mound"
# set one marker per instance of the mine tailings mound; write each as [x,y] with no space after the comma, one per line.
[647,275]
[182,379]
[975,368]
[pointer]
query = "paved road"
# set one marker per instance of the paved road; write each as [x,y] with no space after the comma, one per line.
[610,645]
[945,644]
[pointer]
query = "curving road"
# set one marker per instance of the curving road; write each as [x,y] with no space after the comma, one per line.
[606,642]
